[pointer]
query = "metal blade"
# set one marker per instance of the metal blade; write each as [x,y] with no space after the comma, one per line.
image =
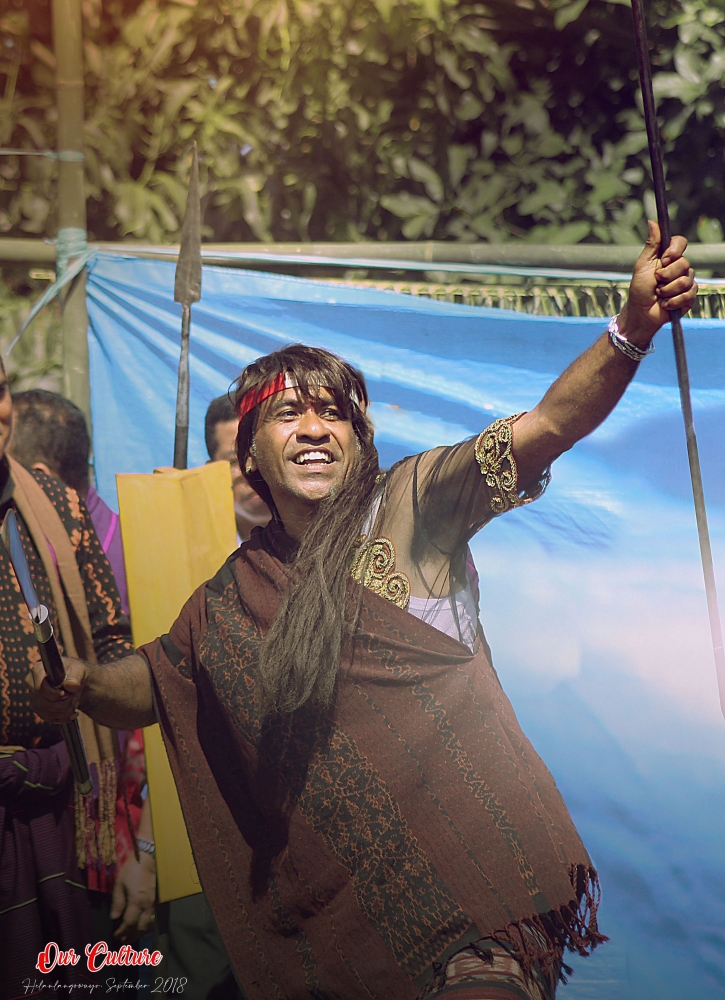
[11,538]
[187,285]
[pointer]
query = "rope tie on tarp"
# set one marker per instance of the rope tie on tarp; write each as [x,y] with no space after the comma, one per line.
[72,253]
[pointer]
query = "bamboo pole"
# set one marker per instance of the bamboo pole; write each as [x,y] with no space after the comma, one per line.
[582,256]
[26,251]
[68,44]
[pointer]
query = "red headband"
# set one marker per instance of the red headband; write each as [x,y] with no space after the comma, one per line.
[256,396]
[280,382]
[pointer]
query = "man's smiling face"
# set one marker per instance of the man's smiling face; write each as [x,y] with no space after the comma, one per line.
[304,448]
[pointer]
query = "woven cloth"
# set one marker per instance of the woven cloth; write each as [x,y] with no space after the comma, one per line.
[95,837]
[342,855]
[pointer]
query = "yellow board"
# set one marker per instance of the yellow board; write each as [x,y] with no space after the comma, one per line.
[178,528]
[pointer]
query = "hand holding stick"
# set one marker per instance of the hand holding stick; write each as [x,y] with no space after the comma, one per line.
[683,378]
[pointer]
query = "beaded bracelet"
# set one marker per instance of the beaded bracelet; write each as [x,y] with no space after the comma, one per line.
[620,341]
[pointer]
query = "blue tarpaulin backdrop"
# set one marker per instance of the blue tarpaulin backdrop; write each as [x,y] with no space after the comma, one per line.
[592,598]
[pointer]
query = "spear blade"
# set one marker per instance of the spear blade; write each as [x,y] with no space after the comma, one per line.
[187,289]
[187,284]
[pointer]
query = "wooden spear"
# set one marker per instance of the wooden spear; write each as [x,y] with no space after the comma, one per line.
[683,378]
[187,289]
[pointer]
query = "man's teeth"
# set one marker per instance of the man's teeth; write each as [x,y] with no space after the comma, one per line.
[313,456]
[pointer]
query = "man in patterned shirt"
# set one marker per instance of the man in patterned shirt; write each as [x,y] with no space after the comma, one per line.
[42,885]
[368,819]
[50,434]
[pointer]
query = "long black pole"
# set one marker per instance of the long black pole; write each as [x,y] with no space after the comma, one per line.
[55,671]
[187,289]
[181,435]
[683,377]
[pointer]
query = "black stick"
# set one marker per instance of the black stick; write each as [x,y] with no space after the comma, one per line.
[187,289]
[55,671]
[683,378]
[181,435]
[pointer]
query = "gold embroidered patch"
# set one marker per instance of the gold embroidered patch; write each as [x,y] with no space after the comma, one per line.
[498,466]
[373,565]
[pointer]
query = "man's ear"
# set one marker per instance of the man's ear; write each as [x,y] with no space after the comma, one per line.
[250,464]
[42,467]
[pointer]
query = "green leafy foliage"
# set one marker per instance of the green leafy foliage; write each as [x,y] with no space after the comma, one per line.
[36,359]
[356,120]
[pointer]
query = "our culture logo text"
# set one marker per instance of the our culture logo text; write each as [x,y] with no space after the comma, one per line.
[97,957]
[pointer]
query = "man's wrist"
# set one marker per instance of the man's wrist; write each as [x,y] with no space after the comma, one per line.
[631,351]
[87,697]
[639,335]
[147,862]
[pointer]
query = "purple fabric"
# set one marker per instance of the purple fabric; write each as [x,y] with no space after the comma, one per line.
[108,529]
[42,894]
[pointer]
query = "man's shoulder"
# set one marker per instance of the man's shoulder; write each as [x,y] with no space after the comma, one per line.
[240,570]
[225,575]
[64,498]
[96,504]
[406,467]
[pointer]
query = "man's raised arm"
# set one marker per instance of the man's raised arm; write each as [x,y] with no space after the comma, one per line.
[116,695]
[591,387]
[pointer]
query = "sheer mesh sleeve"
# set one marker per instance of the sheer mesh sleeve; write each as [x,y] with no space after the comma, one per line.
[434,502]
[494,455]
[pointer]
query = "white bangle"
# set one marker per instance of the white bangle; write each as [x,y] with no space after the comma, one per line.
[620,341]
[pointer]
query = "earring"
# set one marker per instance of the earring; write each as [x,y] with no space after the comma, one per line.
[253,449]
[248,470]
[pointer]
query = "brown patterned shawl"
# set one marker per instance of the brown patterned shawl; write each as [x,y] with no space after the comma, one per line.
[341,859]
[95,836]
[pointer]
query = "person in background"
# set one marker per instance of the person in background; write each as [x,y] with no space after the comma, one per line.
[220,432]
[46,845]
[186,933]
[50,436]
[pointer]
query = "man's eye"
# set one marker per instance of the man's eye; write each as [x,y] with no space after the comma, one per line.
[287,414]
[331,413]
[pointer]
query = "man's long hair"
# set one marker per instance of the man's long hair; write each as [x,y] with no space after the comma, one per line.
[300,656]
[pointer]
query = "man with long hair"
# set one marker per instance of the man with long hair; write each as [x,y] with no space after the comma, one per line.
[368,819]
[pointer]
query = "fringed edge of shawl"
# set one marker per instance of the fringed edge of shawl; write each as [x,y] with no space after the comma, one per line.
[542,939]
[96,818]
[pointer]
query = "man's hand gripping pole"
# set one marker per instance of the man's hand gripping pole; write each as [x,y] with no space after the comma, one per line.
[683,377]
[48,647]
